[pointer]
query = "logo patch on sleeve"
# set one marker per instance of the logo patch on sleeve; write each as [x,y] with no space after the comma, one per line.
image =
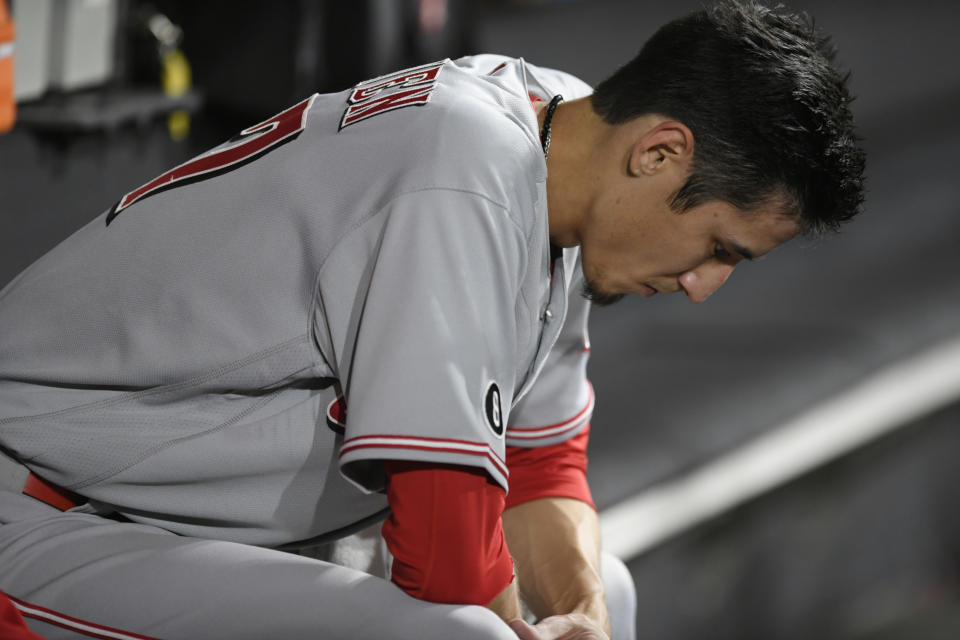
[492,410]
[402,89]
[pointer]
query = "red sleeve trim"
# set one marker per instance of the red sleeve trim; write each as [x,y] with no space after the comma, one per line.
[553,471]
[556,429]
[368,446]
[445,533]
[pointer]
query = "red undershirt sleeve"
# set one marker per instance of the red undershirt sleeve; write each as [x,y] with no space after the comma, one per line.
[12,624]
[445,533]
[554,471]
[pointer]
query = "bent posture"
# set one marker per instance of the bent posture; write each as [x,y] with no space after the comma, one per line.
[373,307]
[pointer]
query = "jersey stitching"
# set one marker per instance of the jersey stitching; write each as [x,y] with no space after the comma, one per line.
[522,298]
[185,384]
[363,220]
[370,216]
[169,443]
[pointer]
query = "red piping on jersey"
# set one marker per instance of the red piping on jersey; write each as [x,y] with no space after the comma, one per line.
[438,444]
[272,132]
[76,625]
[414,448]
[534,433]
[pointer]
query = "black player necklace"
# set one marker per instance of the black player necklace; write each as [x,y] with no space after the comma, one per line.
[545,132]
[555,251]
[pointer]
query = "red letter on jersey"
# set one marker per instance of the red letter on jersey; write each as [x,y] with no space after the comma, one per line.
[272,132]
[366,100]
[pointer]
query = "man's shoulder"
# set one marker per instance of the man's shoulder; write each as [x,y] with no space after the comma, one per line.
[490,98]
[535,80]
[487,111]
[466,125]
[473,133]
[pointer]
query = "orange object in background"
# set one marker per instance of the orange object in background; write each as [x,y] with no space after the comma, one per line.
[8,106]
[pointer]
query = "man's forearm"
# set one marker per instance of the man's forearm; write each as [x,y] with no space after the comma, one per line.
[555,544]
[507,603]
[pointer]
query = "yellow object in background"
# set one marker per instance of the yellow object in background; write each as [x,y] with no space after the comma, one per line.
[8,105]
[176,79]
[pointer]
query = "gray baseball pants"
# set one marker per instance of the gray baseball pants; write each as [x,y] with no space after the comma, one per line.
[83,575]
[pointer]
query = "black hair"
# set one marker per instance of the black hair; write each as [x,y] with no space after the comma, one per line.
[769,111]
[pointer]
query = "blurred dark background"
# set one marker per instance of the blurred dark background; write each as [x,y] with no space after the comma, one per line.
[113,92]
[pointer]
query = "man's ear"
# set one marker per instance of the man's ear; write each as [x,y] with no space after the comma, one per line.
[668,142]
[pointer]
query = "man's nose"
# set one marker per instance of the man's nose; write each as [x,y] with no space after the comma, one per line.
[699,283]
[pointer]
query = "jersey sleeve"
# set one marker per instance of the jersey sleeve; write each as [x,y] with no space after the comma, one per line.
[560,402]
[432,371]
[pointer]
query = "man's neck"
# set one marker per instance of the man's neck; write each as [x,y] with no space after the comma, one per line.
[575,131]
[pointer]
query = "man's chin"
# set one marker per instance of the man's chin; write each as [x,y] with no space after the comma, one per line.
[599,298]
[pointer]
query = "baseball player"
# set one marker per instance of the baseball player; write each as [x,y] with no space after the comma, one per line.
[372,307]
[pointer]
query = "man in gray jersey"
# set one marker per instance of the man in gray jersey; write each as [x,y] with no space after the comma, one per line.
[373,305]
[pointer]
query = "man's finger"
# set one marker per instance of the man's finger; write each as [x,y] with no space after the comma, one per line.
[569,627]
[524,631]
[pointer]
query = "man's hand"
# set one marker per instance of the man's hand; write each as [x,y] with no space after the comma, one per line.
[572,626]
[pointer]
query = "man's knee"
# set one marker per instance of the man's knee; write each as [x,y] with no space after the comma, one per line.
[621,597]
[480,623]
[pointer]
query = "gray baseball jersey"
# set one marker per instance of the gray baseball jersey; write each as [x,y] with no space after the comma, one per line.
[231,349]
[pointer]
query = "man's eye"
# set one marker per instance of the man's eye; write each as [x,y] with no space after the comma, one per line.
[720,253]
